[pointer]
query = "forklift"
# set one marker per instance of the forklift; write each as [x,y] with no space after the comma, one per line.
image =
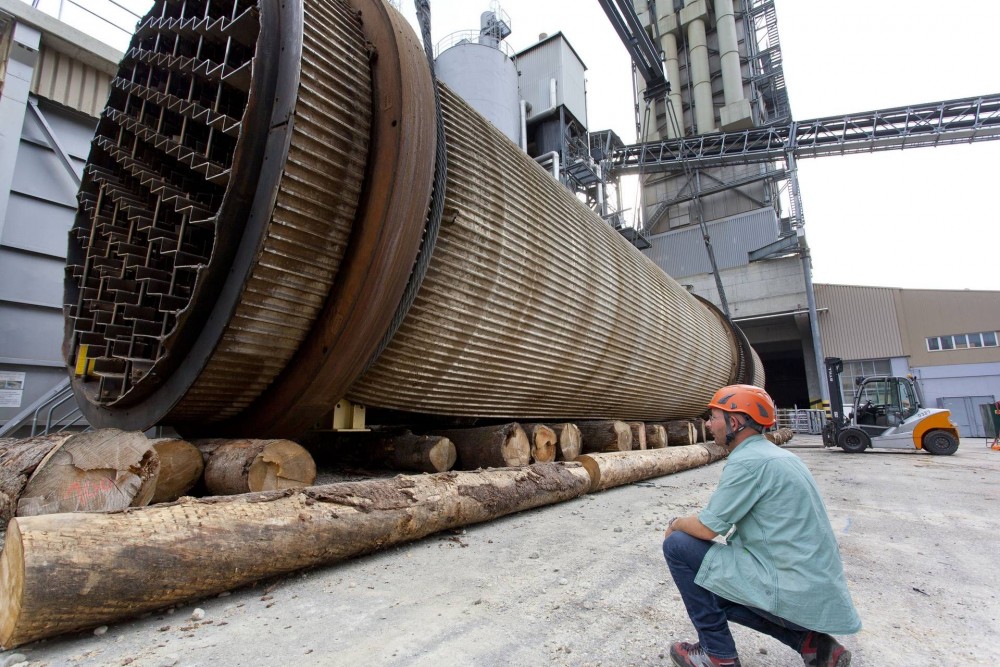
[886,414]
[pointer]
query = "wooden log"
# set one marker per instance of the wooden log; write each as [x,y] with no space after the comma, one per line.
[569,442]
[680,433]
[638,435]
[605,436]
[780,436]
[181,466]
[656,436]
[396,450]
[61,573]
[18,460]
[245,465]
[700,431]
[543,441]
[98,470]
[610,469]
[489,446]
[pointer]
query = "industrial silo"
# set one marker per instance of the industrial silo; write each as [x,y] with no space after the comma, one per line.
[478,66]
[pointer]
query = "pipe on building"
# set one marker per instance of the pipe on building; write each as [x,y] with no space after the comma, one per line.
[669,44]
[732,76]
[552,158]
[524,125]
[247,293]
[701,81]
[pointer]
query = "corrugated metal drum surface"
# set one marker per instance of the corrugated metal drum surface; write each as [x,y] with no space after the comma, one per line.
[250,218]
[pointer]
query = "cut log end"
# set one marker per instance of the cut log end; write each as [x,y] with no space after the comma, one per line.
[442,455]
[516,448]
[282,464]
[569,442]
[181,466]
[99,470]
[543,442]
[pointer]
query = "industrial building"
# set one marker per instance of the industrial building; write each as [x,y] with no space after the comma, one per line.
[723,60]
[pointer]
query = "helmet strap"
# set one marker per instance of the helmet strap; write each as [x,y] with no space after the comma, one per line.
[731,434]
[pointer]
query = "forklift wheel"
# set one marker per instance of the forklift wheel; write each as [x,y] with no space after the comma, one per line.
[941,443]
[853,440]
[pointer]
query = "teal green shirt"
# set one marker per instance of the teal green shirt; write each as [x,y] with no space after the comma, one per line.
[782,556]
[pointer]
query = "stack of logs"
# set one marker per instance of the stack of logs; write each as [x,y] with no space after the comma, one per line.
[103,476]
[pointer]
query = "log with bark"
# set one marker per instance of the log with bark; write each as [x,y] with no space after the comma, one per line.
[245,465]
[610,469]
[656,436]
[605,436]
[18,460]
[489,446]
[61,573]
[638,435]
[568,443]
[780,436]
[680,433]
[181,466]
[395,449]
[543,441]
[98,470]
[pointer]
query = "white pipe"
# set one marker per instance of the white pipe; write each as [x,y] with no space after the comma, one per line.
[524,126]
[732,76]
[704,110]
[553,97]
[554,157]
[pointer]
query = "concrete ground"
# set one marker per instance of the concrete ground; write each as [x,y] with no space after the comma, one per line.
[584,583]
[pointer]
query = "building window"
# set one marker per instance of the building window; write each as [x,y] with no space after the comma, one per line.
[855,370]
[962,341]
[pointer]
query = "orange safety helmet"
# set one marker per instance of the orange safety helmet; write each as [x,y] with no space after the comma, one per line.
[752,401]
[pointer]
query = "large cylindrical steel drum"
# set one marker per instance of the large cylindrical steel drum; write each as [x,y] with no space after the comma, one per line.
[248,246]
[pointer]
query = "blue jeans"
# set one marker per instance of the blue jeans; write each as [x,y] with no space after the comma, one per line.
[710,613]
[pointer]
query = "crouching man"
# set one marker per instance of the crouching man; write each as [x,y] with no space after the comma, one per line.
[779,571]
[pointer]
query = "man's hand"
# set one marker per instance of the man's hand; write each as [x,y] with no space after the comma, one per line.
[691,525]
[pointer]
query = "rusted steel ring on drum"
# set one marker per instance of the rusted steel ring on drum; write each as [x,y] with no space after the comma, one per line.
[743,368]
[384,243]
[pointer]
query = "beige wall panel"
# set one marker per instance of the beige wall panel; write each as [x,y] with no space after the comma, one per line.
[66,80]
[859,322]
[926,313]
[761,288]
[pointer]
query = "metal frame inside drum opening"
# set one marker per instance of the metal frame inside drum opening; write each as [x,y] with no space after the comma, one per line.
[275,76]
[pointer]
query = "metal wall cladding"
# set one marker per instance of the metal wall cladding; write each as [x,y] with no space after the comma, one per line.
[486,79]
[533,307]
[682,252]
[39,213]
[553,58]
[861,322]
[66,80]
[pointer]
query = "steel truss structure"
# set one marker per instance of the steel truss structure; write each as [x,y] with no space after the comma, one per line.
[967,120]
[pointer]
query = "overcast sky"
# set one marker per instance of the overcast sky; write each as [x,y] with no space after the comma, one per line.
[924,218]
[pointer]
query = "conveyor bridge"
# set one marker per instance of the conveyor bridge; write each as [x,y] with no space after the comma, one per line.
[967,120]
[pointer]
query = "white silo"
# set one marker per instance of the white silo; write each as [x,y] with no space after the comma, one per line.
[479,66]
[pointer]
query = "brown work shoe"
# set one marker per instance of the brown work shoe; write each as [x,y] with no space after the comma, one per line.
[822,650]
[684,654]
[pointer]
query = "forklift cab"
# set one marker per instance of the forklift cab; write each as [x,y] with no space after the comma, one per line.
[883,402]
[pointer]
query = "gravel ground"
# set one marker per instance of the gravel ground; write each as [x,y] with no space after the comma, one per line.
[584,583]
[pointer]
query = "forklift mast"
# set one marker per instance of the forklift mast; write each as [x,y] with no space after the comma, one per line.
[834,367]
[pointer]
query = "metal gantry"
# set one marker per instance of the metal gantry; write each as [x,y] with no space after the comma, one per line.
[961,121]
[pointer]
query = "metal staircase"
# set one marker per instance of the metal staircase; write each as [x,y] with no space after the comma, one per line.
[54,411]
